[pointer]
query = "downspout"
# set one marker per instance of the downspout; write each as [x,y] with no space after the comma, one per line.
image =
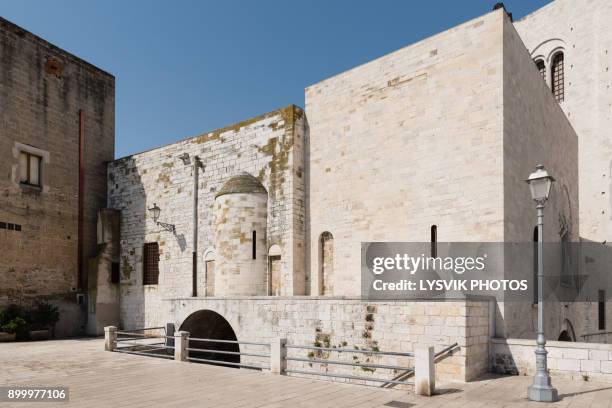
[196,169]
[81,199]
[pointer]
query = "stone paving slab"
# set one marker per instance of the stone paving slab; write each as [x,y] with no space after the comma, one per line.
[101,379]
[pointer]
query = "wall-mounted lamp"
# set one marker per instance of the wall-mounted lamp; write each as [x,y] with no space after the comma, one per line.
[185,158]
[155,210]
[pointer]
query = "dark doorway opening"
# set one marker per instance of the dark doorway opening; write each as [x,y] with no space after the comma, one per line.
[564,336]
[206,324]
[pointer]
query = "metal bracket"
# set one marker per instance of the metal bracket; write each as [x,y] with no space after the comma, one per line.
[167,227]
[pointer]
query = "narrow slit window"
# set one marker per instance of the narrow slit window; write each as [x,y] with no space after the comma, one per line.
[541,68]
[601,305]
[558,77]
[254,244]
[434,241]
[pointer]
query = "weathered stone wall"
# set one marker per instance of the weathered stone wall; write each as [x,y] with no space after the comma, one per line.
[580,361]
[237,271]
[42,89]
[268,147]
[350,323]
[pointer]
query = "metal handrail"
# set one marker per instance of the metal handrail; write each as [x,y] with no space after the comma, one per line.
[143,354]
[349,377]
[343,350]
[148,328]
[228,352]
[220,362]
[228,341]
[349,363]
[138,334]
[410,371]
[141,344]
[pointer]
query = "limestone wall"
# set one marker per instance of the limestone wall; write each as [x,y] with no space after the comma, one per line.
[580,29]
[580,361]
[42,90]
[350,323]
[407,141]
[267,147]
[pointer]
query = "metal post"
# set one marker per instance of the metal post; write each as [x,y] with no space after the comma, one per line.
[424,371]
[181,340]
[278,356]
[541,389]
[196,170]
[110,338]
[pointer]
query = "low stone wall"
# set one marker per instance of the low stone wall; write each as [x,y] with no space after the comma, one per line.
[583,361]
[352,323]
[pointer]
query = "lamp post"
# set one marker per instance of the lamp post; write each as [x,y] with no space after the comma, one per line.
[155,210]
[541,390]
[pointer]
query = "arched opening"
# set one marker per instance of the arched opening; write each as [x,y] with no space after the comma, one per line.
[206,324]
[209,272]
[564,336]
[274,270]
[557,76]
[326,262]
[541,66]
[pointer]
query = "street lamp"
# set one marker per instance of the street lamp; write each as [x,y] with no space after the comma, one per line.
[155,210]
[541,390]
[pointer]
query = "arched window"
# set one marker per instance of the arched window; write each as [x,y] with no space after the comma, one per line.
[274,270]
[434,241]
[557,73]
[326,262]
[542,68]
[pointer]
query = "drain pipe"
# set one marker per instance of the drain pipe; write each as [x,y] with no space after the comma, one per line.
[196,170]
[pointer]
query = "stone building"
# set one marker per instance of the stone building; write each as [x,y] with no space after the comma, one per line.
[439,135]
[56,135]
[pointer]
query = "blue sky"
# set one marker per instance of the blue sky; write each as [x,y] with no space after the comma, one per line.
[186,67]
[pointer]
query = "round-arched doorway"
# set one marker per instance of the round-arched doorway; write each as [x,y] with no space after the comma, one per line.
[206,324]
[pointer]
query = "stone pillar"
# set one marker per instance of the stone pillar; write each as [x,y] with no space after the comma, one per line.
[278,355]
[110,338]
[180,345]
[424,371]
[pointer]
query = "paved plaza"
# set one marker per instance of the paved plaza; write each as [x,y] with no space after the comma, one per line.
[102,379]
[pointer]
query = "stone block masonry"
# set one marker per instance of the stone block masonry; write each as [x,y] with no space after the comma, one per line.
[42,91]
[579,361]
[350,323]
[268,147]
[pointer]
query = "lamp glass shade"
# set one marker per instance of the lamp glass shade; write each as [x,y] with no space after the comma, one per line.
[539,183]
[540,188]
[155,211]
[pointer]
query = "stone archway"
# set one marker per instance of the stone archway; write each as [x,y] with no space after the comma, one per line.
[207,324]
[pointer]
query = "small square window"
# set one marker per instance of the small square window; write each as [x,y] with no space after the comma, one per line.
[2,225]
[29,169]
[17,227]
[11,227]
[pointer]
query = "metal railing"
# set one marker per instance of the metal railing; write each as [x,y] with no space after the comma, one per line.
[276,354]
[410,372]
[188,348]
[349,363]
[139,342]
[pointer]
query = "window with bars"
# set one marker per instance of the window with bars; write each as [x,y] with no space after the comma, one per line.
[558,77]
[29,169]
[150,264]
[542,68]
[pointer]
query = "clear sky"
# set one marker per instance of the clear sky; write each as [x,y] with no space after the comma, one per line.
[186,67]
